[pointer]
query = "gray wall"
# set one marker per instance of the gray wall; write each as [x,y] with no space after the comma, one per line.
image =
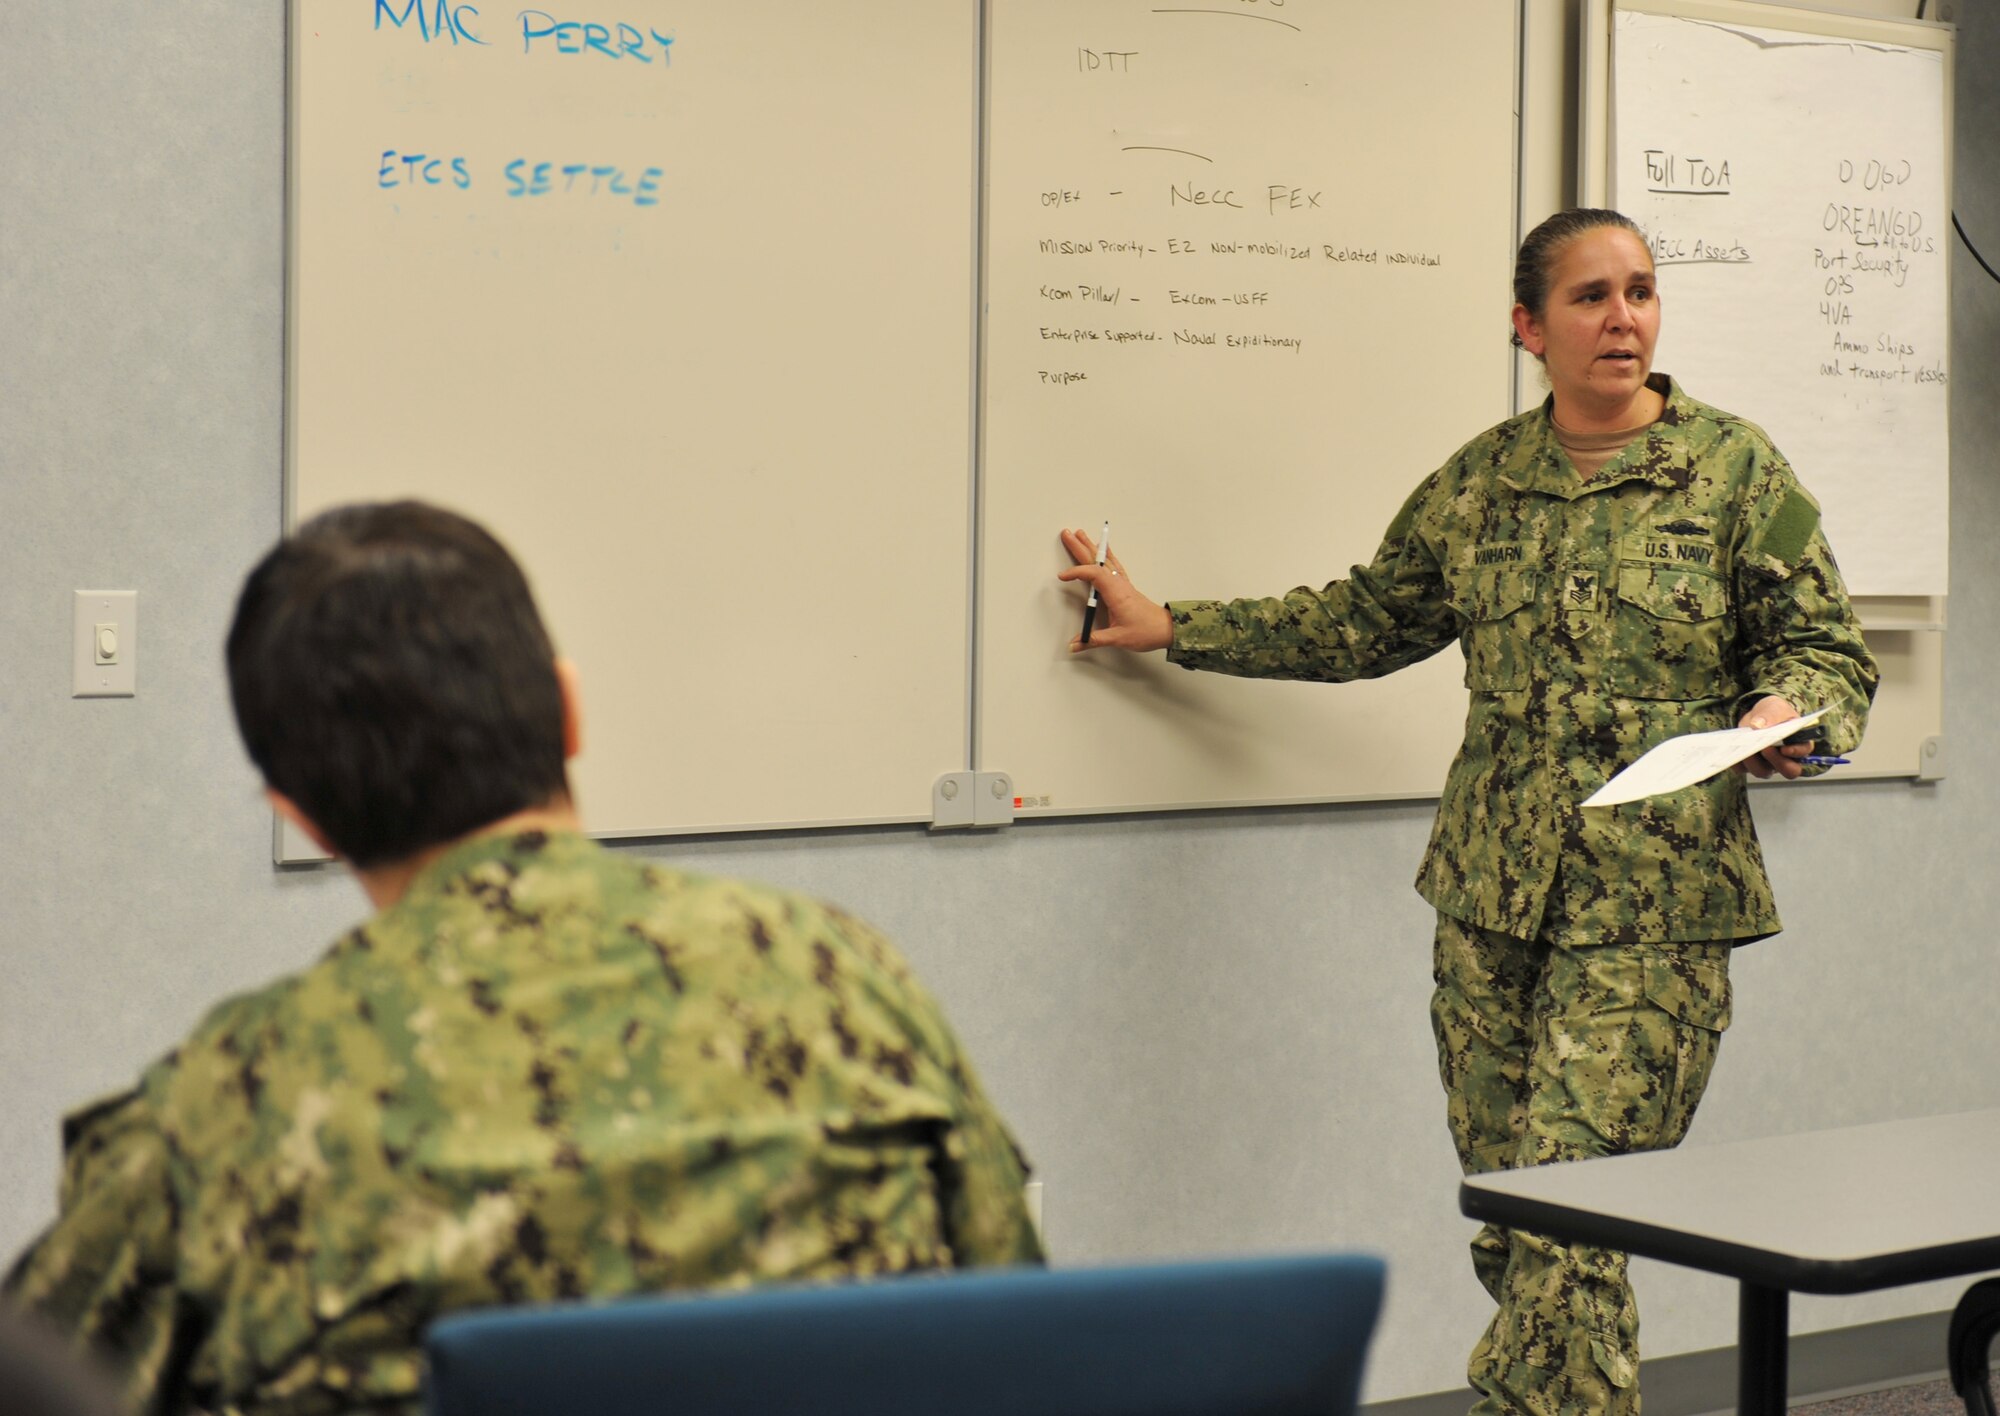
[1209,1030]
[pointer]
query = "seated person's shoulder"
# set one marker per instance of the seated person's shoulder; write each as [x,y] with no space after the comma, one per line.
[215,1071]
[774,927]
[781,952]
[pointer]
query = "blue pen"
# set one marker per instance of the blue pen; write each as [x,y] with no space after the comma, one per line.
[1824,761]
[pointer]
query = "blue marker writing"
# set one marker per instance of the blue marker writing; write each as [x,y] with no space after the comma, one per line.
[439,19]
[590,37]
[421,167]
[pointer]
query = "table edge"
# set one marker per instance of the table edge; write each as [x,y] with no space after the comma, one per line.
[1767,1267]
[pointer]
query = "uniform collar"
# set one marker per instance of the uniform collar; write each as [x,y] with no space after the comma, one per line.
[514,850]
[1659,455]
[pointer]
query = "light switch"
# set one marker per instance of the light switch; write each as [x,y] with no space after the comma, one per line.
[104,662]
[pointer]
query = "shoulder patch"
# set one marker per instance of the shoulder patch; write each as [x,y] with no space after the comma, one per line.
[1786,535]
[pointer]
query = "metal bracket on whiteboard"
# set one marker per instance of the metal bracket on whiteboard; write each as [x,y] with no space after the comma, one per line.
[1930,759]
[972,799]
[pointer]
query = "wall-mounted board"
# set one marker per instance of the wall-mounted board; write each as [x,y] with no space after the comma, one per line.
[680,304]
[1803,241]
[1793,171]
[1246,284]
[1234,276]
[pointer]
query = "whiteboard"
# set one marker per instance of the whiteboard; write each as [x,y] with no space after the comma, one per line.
[720,397]
[1246,283]
[708,372]
[1793,172]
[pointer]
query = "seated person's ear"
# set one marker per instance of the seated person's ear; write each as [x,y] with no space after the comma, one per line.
[569,681]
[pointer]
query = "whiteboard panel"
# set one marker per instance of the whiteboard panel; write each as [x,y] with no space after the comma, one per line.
[1793,172]
[1246,283]
[708,372]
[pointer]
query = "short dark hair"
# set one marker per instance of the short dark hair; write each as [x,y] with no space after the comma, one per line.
[1535,263]
[391,676]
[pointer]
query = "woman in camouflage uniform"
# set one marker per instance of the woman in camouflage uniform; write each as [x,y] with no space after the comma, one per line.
[1619,566]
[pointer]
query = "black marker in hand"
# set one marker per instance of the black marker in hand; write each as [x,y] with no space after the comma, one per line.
[1090,605]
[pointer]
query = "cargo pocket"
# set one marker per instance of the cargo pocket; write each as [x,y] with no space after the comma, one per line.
[1617,1364]
[1671,636]
[1694,993]
[1497,639]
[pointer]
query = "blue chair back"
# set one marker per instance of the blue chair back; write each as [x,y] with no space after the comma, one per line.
[1246,1337]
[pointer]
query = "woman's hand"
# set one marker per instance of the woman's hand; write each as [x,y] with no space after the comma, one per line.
[1125,618]
[1780,759]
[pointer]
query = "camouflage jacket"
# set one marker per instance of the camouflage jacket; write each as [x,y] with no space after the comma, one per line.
[548,1071]
[1682,583]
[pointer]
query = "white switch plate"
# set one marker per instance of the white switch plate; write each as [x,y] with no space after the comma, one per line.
[91,611]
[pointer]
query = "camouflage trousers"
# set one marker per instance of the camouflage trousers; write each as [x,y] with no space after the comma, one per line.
[1556,1054]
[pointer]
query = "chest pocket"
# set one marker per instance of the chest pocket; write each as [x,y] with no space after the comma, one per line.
[1671,633]
[1498,633]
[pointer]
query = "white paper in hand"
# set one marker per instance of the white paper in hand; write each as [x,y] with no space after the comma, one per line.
[1693,757]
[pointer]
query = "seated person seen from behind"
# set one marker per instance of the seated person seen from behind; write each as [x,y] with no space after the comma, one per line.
[542,1070]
